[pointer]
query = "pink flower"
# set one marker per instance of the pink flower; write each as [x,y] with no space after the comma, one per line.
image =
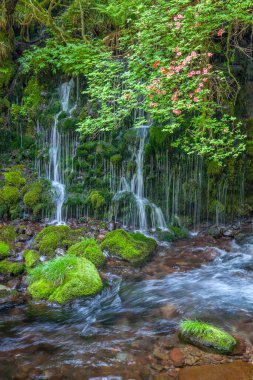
[205,70]
[225,129]
[194,54]
[209,54]
[180,17]
[176,49]
[191,95]
[220,32]
[175,18]
[198,72]
[196,100]
[151,96]
[178,25]
[179,54]
[198,24]
[197,90]
[191,27]
[177,112]
[155,104]
[163,70]
[188,105]
[151,104]
[201,84]
[193,72]
[163,92]
[204,79]
[157,91]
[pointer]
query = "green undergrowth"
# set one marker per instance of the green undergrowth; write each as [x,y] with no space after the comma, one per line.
[4,250]
[11,268]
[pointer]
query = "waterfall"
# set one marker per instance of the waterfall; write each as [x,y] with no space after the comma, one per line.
[61,148]
[145,214]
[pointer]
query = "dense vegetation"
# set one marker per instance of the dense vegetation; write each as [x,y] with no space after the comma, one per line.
[174,62]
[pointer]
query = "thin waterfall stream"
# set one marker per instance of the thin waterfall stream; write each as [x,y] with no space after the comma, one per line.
[135,187]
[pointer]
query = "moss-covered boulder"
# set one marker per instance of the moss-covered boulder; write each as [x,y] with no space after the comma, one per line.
[32,258]
[132,247]
[63,279]
[89,249]
[7,234]
[204,335]
[4,250]
[53,237]
[6,292]
[11,268]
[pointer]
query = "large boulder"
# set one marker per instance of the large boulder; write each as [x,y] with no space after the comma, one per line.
[204,335]
[63,279]
[89,249]
[132,247]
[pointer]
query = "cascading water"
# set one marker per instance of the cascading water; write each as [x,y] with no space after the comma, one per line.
[61,147]
[147,214]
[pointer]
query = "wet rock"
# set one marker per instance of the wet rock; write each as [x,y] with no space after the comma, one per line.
[234,371]
[177,357]
[7,295]
[100,237]
[59,252]
[161,353]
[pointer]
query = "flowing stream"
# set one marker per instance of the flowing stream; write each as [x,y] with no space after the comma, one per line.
[109,336]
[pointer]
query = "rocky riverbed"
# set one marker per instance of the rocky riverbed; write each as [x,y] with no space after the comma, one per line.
[130,329]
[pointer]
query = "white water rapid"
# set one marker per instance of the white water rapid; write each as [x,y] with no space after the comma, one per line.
[146,214]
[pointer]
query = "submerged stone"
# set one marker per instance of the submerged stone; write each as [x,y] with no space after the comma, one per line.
[204,335]
[232,371]
[63,279]
[89,249]
[132,247]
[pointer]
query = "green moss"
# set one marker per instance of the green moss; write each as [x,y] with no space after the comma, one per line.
[96,199]
[133,247]
[12,268]
[10,195]
[53,237]
[4,250]
[14,178]
[32,258]
[32,197]
[205,335]
[7,234]
[116,159]
[63,279]
[89,249]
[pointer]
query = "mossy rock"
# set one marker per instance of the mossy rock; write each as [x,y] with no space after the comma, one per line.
[10,195]
[7,234]
[89,249]
[63,279]
[53,237]
[132,247]
[6,292]
[204,335]
[11,268]
[14,178]
[32,197]
[32,258]
[4,250]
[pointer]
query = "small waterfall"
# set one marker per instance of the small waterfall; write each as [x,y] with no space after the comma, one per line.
[61,150]
[144,214]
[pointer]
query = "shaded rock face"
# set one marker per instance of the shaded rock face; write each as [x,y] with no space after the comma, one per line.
[231,371]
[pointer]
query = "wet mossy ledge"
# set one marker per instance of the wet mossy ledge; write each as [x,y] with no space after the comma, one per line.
[207,336]
[89,249]
[135,248]
[64,278]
